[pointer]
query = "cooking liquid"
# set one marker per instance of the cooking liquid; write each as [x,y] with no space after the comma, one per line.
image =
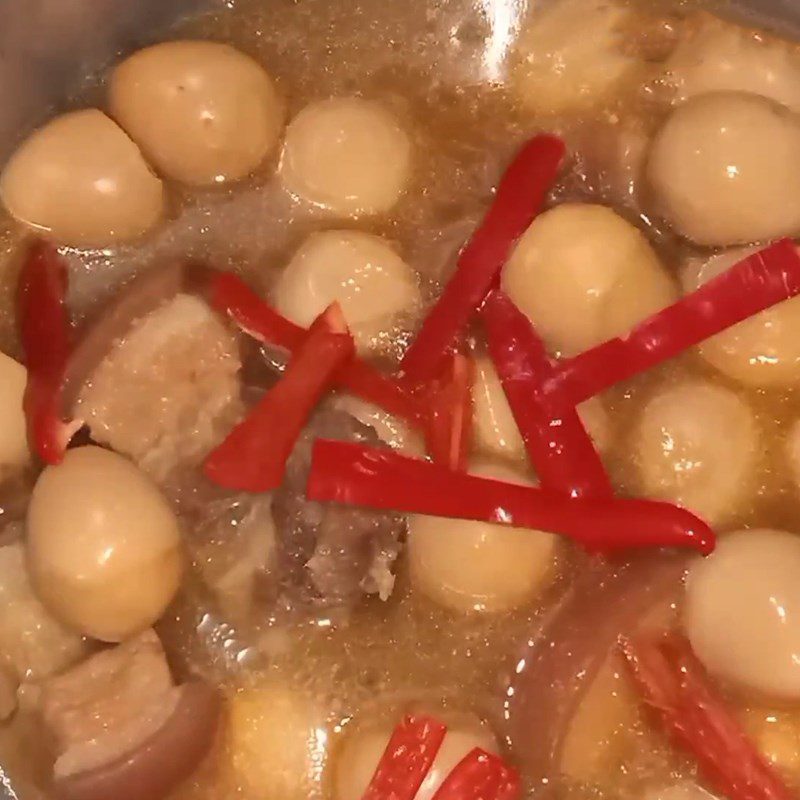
[442,69]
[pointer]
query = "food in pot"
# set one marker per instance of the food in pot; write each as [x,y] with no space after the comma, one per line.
[717,181]
[589,257]
[439,444]
[697,445]
[348,155]
[363,273]
[202,112]
[103,545]
[113,193]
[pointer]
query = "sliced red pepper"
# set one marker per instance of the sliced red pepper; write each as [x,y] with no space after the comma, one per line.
[45,334]
[231,296]
[519,198]
[675,686]
[559,448]
[353,474]
[759,281]
[480,776]
[406,760]
[366,382]
[450,409]
[253,456]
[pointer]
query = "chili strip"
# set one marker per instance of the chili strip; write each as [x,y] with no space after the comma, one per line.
[353,474]
[230,295]
[519,198]
[559,448]
[450,409]
[407,759]
[480,776]
[676,688]
[759,281]
[45,335]
[253,456]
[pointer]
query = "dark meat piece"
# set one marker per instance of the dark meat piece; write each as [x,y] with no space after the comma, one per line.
[331,553]
[120,727]
[233,544]
[277,555]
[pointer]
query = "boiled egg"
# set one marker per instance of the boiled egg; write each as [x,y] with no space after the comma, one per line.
[82,181]
[719,56]
[348,155]
[725,169]
[582,274]
[103,545]
[742,611]
[570,56]
[362,750]
[495,430]
[469,566]
[696,444]
[202,112]
[763,350]
[362,272]
[278,741]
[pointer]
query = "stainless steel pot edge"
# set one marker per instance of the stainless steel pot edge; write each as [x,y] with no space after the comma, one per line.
[47,45]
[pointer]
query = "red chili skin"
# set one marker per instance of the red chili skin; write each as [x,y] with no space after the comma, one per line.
[676,688]
[559,448]
[480,776]
[450,422]
[519,198]
[353,474]
[45,334]
[759,281]
[253,456]
[231,296]
[406,760]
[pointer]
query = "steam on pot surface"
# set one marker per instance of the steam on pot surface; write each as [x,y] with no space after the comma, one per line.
[399,403]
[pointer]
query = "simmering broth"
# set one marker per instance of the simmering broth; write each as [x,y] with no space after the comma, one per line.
[300,680]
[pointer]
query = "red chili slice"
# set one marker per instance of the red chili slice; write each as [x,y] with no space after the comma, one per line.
[480,776]
[45,334]
[353,474]
[253,456]
[406,760]
[231,296]
[518,200]
[676,687]
[450,424]
[558,446]
[757,282]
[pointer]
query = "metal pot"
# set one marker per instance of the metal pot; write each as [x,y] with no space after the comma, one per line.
[48,46]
